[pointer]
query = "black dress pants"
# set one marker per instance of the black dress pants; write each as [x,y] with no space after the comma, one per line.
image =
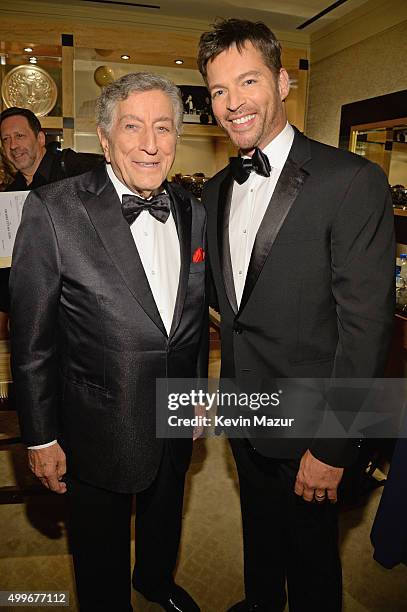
[99,531]
[286,539]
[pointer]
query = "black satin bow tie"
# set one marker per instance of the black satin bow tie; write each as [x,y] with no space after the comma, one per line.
[241,167]
[158,207]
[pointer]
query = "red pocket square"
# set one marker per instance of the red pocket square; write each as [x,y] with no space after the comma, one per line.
[199,255]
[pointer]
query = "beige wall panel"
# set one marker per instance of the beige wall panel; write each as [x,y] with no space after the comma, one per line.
[295,104]
[291,57]
[370,19]
[52,123]
[35,30]
[68,138]
[86,142]
[373,67]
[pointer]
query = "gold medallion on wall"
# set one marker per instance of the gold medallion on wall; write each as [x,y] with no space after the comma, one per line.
[30,87]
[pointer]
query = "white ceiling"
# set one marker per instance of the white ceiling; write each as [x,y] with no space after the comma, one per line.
[278,14]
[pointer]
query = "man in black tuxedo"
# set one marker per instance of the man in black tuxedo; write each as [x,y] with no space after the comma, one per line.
[301,247]
[109,299]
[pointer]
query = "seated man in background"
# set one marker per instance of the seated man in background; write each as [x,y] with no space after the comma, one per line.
[36,164]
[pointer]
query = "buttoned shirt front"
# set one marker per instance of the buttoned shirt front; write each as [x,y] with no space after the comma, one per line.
[249,204]
[158,246]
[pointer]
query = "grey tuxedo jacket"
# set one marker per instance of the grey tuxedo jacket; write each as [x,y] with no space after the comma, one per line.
[319,295]
[87,340]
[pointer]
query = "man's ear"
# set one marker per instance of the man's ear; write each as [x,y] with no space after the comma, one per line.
[41,138]
[104,144]
[283,83]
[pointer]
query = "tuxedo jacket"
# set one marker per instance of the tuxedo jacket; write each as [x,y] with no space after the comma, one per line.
[87,339]
[319,294]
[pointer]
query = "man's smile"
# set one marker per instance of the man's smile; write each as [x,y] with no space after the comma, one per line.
[243,120]
[147,164]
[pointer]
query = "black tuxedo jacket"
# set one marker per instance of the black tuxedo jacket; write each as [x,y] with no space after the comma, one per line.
[87,338]
[319,294]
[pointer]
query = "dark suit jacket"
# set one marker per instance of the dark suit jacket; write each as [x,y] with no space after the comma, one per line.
[87,338]
[319,293]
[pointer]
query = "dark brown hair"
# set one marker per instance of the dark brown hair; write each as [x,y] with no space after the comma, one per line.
[228,32]
[15,111]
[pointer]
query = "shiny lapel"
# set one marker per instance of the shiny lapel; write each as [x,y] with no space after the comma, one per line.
[181,209]
[103,205]
[288,187]
[224,202]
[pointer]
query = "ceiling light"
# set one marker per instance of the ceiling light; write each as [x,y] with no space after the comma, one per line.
[125,57]
[28,49]
[33,60]
[179,61]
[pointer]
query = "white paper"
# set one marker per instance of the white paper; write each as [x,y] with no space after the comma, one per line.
[11,208]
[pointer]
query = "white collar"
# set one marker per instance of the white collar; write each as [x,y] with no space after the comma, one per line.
[278,149]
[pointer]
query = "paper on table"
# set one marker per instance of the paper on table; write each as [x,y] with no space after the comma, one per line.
[11,207]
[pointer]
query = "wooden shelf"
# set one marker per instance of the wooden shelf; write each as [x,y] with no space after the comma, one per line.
[197,129]
[52,123]
[399,212]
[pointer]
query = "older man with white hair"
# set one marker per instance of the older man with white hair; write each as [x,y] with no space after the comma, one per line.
[110,299]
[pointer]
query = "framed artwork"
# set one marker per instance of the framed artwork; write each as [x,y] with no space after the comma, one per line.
[197,105]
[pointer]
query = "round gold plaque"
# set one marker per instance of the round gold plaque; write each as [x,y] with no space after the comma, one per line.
[30,87]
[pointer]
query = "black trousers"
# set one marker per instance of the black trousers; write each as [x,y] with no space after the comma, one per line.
[286,539]
[99,532]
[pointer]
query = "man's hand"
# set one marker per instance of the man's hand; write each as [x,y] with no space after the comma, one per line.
[200,411]
[317,480]
[49,465]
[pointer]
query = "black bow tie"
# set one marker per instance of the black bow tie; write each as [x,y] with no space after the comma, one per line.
[158,207]
[241,167]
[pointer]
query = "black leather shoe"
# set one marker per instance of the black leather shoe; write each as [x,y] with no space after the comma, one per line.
[175,600]
[247,606]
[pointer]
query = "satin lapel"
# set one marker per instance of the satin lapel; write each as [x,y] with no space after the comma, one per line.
[287,189]
[225,200]
[181,209]
[103,207]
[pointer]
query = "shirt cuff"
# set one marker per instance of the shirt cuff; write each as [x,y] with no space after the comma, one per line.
[42,445]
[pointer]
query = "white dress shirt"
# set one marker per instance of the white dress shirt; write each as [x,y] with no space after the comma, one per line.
[158,246]
[249,204]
